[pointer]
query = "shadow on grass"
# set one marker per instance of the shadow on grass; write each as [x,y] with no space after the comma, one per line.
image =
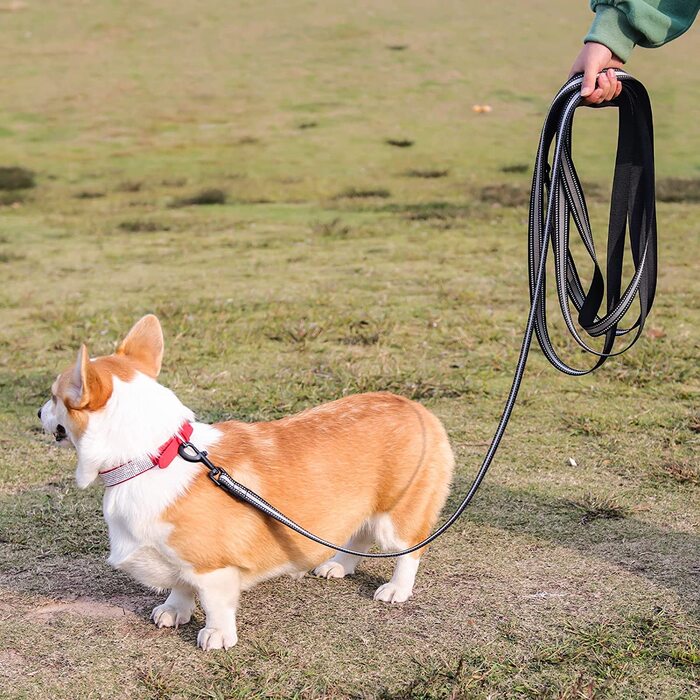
[663,556]
[53,540]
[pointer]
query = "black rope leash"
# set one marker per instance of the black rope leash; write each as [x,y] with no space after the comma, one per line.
[556,198]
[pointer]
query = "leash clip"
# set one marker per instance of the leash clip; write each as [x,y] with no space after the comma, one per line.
[199,456]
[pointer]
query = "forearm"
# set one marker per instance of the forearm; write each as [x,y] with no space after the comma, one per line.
[621,24]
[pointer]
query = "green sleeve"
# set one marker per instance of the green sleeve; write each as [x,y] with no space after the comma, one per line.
[620,24]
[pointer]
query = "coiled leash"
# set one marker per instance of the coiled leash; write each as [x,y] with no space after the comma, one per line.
[556,197]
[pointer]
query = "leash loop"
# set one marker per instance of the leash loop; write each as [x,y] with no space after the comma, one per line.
[556,198]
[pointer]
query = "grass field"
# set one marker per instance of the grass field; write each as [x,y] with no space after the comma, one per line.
[366,232]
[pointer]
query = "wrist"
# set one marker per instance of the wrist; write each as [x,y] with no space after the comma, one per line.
[611,29]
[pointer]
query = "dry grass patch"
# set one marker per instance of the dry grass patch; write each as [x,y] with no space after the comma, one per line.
[299,333]
[399,143]
[518,168]
[684,471]
[16,178]
[505,195]
[89,194]
[678,189]
[595,506]
[11,257]
[142,226]
[431,211]
[209,196]
[363,193]
[335,228]
[362,332]
[130,186]
[12,199]
[426,173]
[607,659]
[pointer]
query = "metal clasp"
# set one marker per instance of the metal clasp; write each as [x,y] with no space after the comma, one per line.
[198,456]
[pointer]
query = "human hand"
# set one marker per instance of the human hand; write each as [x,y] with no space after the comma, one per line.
[592,59]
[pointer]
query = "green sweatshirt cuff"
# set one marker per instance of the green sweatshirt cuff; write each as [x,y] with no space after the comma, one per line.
[611,28]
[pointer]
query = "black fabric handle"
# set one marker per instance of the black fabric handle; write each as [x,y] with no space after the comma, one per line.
[554,202]
[557,198]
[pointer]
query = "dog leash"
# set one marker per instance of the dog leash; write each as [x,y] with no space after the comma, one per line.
[556,197]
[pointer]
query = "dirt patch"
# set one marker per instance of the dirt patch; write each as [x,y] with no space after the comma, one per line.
[11,257]
[363,193]
[331,229]
[142,226]
[426,173]
[213,195]
[431,211]
[174,182]
[11,662]
[505,195]
[678,189]
[130,186]
[515,168]
[247,141]
[12,199]
[89,194]
[399,143]
[118,609]
[16,178]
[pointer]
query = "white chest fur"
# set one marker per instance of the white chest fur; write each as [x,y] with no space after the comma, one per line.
[133,509]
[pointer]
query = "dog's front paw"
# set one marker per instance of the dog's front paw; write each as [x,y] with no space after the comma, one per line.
[330,569]
[214,638]
[167,616]
[391,593]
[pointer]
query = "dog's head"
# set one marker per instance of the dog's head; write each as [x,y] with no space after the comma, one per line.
[109,404]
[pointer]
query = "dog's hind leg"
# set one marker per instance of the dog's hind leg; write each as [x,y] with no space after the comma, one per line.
[400,588]
[412,519]
[342,564]
[389,537]
[177,609]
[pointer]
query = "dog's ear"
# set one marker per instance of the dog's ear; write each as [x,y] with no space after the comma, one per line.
[144,343]
[78,394]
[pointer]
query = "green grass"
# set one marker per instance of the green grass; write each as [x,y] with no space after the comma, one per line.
[328,262]
[584,662]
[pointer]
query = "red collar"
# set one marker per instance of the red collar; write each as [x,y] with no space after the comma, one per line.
[168,450]
[165,455]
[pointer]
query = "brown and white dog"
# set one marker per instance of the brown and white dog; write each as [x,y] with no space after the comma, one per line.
[369,468]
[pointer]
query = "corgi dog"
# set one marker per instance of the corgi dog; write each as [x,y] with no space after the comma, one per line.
[365,469]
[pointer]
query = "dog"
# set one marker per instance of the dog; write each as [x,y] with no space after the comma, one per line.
[365,469]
